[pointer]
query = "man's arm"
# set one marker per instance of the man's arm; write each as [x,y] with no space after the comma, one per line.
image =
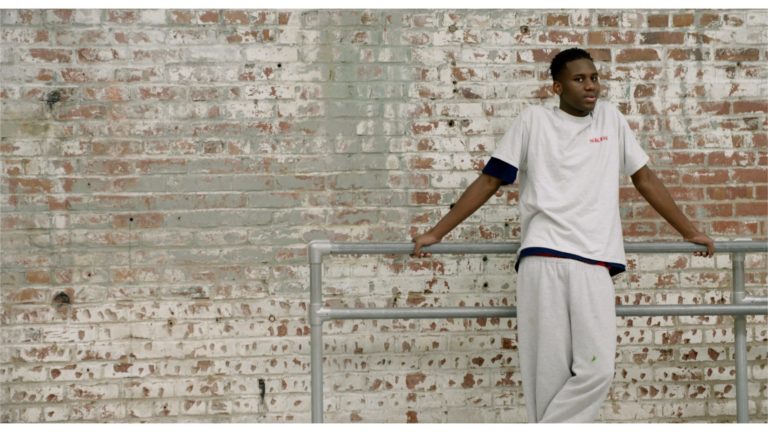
[657,195]
[472,199]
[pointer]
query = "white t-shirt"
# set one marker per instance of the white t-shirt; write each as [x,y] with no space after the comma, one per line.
[569,171]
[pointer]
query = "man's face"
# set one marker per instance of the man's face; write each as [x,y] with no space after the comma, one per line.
[578,87]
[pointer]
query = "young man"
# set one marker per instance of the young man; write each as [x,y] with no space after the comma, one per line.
[570,159]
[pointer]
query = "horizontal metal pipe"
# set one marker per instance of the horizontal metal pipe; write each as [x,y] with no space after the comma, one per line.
[419,313]
[685,247]
[510,248]
[691,310]
[502,312]
[755,300]
[440,248]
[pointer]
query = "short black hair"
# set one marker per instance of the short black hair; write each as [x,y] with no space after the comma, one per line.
[563,57]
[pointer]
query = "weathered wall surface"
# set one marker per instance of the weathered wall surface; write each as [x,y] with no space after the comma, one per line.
[163,170]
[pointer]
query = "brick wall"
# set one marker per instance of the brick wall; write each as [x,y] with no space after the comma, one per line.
[163,170]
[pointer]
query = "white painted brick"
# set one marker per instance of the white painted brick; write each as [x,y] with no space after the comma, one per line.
[230,168]
[759,372]
[616,411]
[684,410]
[97,411]
[631,373]
[722,407]
[29,414]
[55,413]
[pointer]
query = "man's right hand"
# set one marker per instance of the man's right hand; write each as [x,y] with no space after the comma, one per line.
[421,241]
[705,240]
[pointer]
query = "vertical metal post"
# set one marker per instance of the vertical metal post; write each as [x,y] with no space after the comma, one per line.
[740,333]
[316,251]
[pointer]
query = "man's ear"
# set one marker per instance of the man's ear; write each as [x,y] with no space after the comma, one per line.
[557,87]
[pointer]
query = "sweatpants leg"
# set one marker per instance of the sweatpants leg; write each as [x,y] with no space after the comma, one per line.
[567,338]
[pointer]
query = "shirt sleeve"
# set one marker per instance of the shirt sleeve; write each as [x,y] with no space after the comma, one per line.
[509,155]
[501,170]
[633,155]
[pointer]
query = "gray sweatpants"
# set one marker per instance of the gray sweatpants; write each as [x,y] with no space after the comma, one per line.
[566,318]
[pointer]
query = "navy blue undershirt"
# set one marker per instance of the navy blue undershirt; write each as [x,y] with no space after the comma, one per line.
[501,170]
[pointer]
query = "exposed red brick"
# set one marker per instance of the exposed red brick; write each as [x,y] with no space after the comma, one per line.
[733,21]
[30,185]
[421,128]
[737,54]
[647,108]
[51,55]
[750,175]
[469,381]
[729,193]
[543,55]
[682,20]
[122,16]
[181,17]
[558,20]
[761,192]
[740,107]
[759,209]
[637,54]
[608,20]
[414,379]
[567,37]
[679,158]
[209,17]
[640,229]
[425,198]
[411,417]
[468,93]
[760,140]
[508,343]
[235,17]
[716,108]
[708,19]
[64,16]
[60,204]
[730,158]
[662,38]
[706,177]
[611,37]
[710,210]
[45,75]
[735,228]
[415,299]
[682,54]
[159,93]
[142,220]
[658,20]
[645,90]
[84,112]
